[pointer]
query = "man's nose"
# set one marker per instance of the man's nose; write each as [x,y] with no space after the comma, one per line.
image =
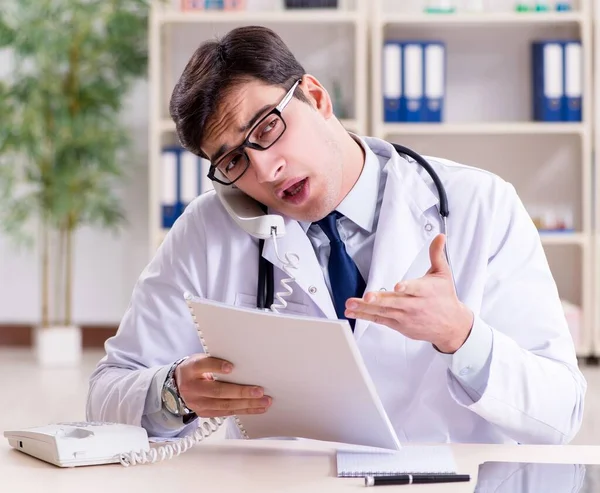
[267,165]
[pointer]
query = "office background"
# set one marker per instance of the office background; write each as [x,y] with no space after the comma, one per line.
[481,71]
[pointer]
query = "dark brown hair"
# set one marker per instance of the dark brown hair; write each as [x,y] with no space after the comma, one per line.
[216,67]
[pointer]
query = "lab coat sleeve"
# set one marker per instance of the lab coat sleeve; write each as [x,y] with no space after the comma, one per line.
[156,330]
[156,419]
[534,390]
[470,364]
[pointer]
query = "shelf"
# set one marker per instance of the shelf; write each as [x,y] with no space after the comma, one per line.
[483,128]
[316,16]
[167,126]
[484,19]
[559,238]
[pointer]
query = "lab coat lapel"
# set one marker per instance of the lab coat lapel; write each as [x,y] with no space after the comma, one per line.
[309,275]
[401,233]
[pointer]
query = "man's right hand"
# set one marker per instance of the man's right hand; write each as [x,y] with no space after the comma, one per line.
[210,398]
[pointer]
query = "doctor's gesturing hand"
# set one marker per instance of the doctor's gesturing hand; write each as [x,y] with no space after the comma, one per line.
[210,398]
[426,309]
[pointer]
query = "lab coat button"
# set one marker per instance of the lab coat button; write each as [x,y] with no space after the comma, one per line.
[312,290]
[465,370]
[428,227]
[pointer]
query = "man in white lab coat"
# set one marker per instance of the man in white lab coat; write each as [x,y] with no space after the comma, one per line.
[490,361]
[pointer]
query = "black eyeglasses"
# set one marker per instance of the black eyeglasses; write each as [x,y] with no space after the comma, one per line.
[263,135]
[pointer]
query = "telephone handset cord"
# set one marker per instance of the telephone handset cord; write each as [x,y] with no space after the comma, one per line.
[168,451]
[290,262]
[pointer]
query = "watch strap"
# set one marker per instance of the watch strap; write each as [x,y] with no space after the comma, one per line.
[188,415]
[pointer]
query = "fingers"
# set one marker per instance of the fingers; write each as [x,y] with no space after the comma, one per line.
[213,398]
[403,298]
[416,287]
[215,413]
[224,407]
[376,318]
[437,257]
[224,390]
[200,364]
[208,397]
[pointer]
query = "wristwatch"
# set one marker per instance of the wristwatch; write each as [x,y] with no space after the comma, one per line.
[171,399]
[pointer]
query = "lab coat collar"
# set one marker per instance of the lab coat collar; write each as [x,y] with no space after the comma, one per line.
[361,202]
[402,230]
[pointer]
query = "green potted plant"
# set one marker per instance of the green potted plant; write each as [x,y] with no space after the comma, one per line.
[63,145]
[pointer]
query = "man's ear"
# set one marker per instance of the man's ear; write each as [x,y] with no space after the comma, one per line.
[317,95]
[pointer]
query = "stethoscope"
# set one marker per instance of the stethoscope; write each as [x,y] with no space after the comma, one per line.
[266,280]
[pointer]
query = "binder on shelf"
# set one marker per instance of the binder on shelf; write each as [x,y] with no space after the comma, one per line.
[184,177]
[557,80]
[170,185]
[190,178]
[573,81]
[548,85]
[412,101]
[392,81]
[414,81]
[435,80]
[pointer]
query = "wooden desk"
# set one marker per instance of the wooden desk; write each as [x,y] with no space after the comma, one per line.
[225,466]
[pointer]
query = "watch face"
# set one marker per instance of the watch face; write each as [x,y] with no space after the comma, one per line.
[170,401]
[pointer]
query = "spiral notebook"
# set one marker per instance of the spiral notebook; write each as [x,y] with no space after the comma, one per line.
[409,460]
[310,366]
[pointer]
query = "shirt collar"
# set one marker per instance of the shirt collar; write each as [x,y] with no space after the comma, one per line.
[361,202]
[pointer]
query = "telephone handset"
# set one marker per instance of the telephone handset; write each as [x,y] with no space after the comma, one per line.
[247,213]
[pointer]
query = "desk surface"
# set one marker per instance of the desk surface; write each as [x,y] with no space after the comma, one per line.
[255,466]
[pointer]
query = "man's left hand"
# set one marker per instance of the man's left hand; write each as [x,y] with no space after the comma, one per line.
[426,309]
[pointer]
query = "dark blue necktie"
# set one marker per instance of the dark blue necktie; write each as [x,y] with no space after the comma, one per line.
[346,281]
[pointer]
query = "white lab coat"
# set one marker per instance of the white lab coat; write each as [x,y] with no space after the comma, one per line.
[535,392]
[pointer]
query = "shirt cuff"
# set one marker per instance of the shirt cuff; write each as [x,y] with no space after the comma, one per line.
[470,365]
[156,419]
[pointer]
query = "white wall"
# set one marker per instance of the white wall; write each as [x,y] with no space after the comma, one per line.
[106,266]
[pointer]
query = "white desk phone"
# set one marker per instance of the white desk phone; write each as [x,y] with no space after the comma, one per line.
[73,444]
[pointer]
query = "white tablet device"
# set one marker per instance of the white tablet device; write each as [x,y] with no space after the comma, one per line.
[310,366]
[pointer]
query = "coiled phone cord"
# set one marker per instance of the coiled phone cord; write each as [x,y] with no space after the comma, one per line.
[290,262]
[168,451]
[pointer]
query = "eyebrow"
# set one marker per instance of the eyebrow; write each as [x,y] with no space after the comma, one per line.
[224,148]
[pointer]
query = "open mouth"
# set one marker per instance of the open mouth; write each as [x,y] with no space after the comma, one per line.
[295,189]
[297,193]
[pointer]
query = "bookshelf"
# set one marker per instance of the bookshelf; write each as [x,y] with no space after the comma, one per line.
[487,122]
[335,52]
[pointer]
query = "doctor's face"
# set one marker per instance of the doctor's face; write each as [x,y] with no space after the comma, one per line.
[300,172]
